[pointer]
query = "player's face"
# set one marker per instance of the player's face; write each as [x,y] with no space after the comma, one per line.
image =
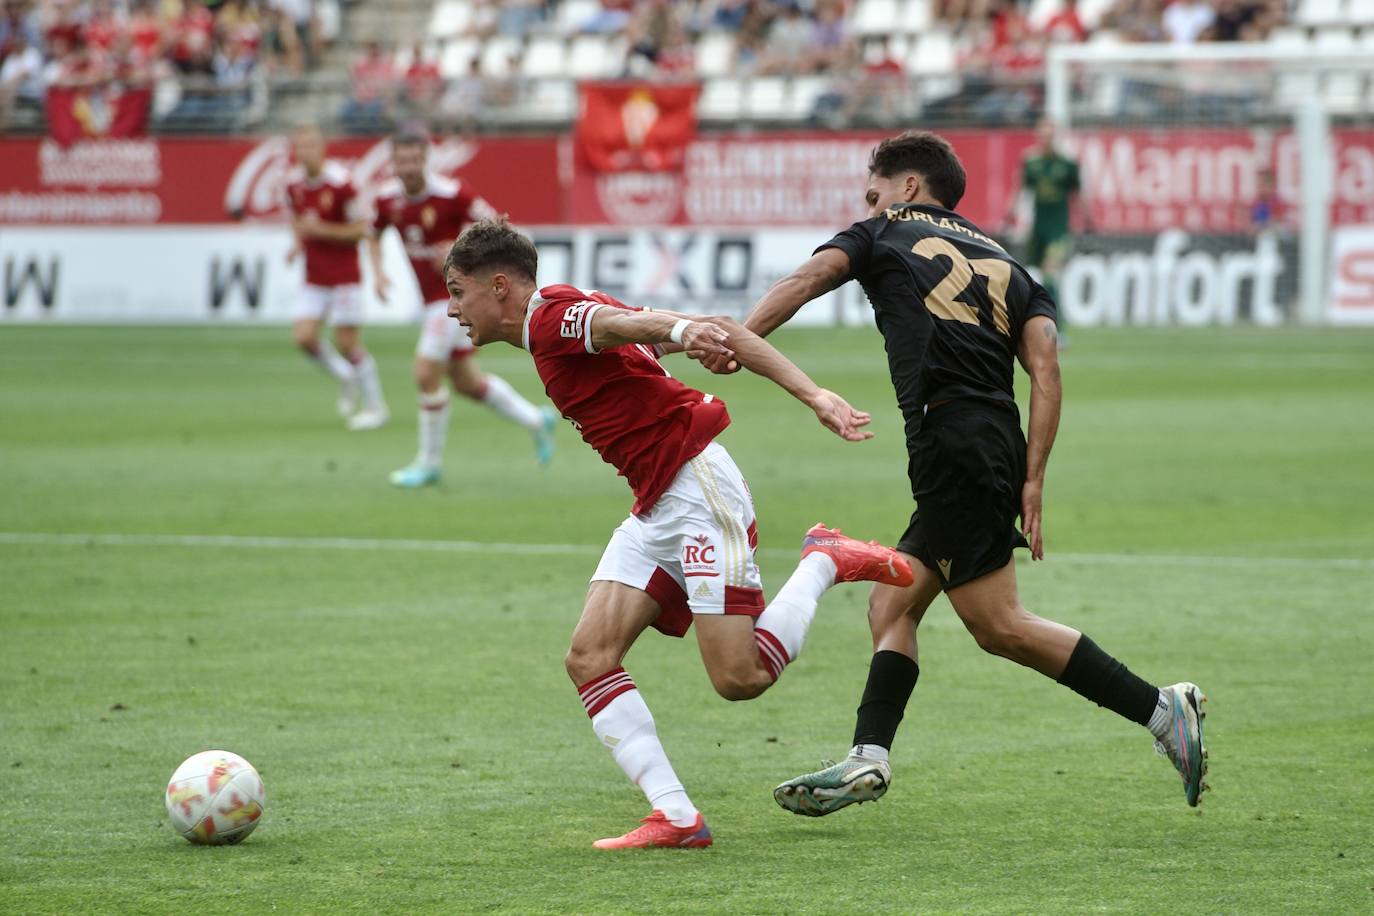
[888,192]
[308,147]
[472,300]
[408,161]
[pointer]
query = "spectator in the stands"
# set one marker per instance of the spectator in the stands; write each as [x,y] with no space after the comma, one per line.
[369,106]
[729,15]
[464,98]
[146,28]
[1184,21]
[789,38]
[423,82]
[1136,20]
[193,47]
[613,17]
[234,64]
[297,33]
[648,33]
[1066,26]
[21,75]
[751,41]
[829,46]
[102,26]
[1237,20]
[19,20]
[517,17]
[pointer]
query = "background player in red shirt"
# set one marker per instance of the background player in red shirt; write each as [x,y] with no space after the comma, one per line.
[430,211]
[328,226]
[686,553]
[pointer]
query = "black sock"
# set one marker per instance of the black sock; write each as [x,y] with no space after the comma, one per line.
[1108,683]
[891,678]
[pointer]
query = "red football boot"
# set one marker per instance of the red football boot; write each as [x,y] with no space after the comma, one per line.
[657,830]
[856,561]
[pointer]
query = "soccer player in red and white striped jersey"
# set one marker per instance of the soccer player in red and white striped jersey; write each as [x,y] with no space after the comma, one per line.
[686,552]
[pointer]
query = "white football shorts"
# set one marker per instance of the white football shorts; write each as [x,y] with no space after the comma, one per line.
[342,305]
[442,338]
[693,552]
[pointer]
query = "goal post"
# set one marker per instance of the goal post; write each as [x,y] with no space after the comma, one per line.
[1234,148]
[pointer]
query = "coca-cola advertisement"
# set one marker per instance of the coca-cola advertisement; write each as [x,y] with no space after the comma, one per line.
[151,181]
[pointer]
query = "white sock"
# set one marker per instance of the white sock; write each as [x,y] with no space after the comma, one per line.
[368,381]
[330,361]
[1160,718]
[781,628]
[506,401]
[434,410]
[869,751]
[622,722]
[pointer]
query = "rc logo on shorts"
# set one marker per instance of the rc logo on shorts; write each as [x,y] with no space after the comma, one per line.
[699,559]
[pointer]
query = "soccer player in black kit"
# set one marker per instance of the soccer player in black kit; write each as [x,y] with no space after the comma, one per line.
[954,310]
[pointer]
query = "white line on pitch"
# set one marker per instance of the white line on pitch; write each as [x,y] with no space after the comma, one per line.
[439,546]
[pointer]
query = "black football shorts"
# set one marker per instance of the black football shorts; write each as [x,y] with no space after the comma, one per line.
[967,468]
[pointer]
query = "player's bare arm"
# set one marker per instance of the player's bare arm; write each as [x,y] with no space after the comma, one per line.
[310,226]
[762,358]
[614,327]
[1039,356]
[381,283]
[822,272]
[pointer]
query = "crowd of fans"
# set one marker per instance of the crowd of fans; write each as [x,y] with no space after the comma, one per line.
[203,53]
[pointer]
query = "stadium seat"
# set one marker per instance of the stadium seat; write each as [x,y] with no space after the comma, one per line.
[457,55]
[1320,12]
[916,16]
[450,18]
[1042,10]
[874,17]
[801,103]
[546,55]
[1092,11]
[1361,13]
[765,98]
[934,53]
[720,100]
[596,57]
[497,53]
[554,99]
[715,54]
[1289,38]
[1106,38]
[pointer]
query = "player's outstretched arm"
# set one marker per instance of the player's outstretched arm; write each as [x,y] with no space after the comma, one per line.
[822,272]
[1039,355]
[312,227]
[613,327]
[762,358]
[381,285]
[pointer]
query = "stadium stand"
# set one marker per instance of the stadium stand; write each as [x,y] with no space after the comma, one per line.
[513,64]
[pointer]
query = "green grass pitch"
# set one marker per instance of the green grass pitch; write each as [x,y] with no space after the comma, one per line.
[1208,517]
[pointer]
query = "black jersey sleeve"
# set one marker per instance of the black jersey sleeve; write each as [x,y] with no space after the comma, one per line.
[1041,303]
[856,242]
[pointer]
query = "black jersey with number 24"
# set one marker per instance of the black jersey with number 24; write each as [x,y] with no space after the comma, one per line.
[950,304]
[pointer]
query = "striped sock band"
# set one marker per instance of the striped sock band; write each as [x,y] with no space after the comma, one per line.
[771,652]
[597,693]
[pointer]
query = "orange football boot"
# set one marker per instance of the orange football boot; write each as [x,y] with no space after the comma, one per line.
[855,560]
[657,830]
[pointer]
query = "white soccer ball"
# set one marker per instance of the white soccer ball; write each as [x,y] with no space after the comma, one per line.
[215,798]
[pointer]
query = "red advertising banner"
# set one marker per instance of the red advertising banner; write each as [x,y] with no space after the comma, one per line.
[167,180]
[640,126]
[84,114]
[1137,181]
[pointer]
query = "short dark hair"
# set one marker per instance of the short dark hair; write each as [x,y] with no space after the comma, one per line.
[492,244]
[410,136]
[928,155]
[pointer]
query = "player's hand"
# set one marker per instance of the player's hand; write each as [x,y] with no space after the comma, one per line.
[837,416]
[702,341]
[381,286]
[1031,495]
[720,365]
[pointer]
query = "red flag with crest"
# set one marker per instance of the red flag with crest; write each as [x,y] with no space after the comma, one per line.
[626,126]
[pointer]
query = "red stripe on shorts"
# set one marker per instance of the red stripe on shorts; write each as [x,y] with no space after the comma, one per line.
[675,616]
[740,600]
[754,535]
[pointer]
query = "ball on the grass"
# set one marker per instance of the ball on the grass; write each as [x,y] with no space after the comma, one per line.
[215,798]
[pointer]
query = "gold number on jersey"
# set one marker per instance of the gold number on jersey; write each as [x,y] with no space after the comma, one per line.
[942,301]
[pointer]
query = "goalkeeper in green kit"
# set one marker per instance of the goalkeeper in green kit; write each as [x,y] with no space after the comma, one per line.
[1051,180]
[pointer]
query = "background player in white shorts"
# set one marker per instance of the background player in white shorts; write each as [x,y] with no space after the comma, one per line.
[429,211]
[686,553]
[327,225]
